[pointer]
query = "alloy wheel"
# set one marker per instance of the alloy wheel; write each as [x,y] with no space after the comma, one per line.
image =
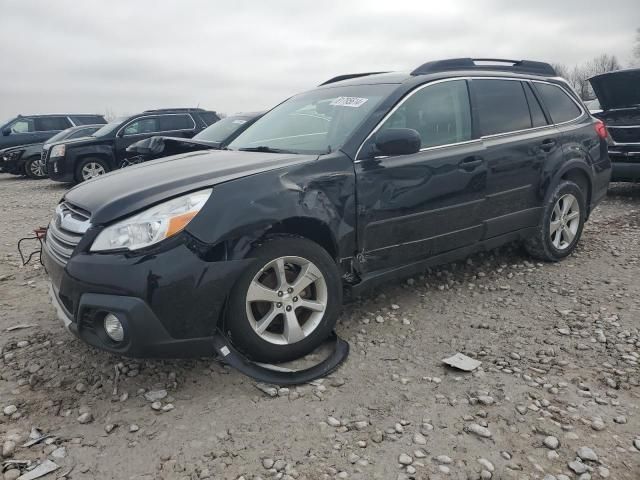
[286,300]
[565,221]
[38,168]
[92,170]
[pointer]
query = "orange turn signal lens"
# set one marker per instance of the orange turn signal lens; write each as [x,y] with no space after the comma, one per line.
[177,223]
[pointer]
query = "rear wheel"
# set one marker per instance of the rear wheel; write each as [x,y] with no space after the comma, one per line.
[286,303]
[90,168]
[561,224]
[34,167]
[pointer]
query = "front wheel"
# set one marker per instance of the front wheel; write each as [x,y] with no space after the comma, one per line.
[561,224]
[286,303]
[35,167]
[90,168]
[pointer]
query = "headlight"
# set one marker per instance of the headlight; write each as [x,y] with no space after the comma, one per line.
[58,151]
[152,225]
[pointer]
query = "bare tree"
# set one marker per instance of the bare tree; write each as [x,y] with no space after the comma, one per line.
[636,48]
[579,76]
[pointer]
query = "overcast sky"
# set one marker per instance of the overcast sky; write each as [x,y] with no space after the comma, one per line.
[121,56]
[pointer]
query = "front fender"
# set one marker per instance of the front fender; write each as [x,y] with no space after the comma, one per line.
[242,210]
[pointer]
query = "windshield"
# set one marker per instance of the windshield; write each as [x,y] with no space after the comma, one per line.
[315,122]
[109,127]
[222,129]
[60,136]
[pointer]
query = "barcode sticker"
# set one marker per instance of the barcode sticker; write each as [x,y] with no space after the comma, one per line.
[354,102]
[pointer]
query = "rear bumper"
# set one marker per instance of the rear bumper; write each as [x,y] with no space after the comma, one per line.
[625,163]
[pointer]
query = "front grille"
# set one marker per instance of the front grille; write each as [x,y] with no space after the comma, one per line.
[66,230]
[43,155]
[626,134]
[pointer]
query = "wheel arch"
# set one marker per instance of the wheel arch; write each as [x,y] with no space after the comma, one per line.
[307,227]
[579,173]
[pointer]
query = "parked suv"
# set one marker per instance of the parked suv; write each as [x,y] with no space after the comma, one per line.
[356,182]
[27,129]
[75,161]
[619,96]
[30,160]
[214,137]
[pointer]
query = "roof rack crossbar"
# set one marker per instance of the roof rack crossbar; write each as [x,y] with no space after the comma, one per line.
[348,76]
[501,64]
[179,109]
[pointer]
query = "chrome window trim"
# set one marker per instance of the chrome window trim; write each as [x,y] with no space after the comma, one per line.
[623,126]
[160,131]
[495,135]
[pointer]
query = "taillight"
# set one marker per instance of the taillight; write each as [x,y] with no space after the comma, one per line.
[601,129]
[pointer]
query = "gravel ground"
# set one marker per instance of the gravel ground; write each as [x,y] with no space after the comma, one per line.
[556,396]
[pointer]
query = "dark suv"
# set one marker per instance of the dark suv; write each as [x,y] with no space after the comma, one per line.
[359,181]
[27,129]
[75,161]
[214,137]
[619,96]
[30,160]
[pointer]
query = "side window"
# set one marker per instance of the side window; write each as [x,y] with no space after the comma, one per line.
[560,106]
[175,122]
[48,124]
[142,126]
[502,106]
[440,113]
[22,125]
[537,115]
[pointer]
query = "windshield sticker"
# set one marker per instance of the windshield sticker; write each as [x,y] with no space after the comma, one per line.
[239,122]
[354,102]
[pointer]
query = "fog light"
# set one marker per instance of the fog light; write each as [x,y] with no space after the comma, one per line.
[113,327]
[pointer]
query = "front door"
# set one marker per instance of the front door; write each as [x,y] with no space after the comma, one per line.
[411,207]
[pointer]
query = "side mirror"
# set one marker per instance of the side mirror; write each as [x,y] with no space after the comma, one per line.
[120,134]
[398,141]
[6,132]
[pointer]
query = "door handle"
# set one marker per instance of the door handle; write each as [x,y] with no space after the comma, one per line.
[548,145]
[470,163]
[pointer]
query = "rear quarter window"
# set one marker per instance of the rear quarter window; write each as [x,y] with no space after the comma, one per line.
[502,106]
[559,104]
[209,118]
[176,122]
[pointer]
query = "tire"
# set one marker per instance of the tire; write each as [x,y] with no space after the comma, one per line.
[277,316]
[90,168]
[35,168]
[559,233]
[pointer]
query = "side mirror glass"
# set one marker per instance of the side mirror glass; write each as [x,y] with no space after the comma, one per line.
[6,132]
[398,141]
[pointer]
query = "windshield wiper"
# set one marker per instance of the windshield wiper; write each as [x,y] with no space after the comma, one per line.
[264,149]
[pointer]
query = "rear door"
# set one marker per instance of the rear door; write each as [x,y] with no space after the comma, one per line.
[411,207]
[518,142]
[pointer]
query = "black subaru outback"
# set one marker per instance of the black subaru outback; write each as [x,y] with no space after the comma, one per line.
[363,179]
[74,161]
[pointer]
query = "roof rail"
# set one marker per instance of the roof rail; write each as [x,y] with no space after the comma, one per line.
[348,76]
[521,66]
[188,109]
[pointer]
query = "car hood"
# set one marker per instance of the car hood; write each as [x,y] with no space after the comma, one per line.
[128,190]
[619,89]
